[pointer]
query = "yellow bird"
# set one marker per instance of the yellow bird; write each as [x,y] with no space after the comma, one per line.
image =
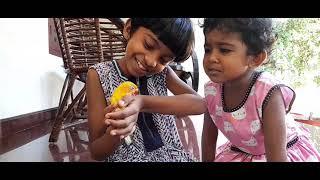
[126,88]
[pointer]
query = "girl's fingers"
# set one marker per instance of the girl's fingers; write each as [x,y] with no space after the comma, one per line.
[122,132]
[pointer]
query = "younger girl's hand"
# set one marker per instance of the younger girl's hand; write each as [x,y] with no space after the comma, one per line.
[124,120]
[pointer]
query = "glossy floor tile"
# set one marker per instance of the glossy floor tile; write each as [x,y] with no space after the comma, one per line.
[72,146]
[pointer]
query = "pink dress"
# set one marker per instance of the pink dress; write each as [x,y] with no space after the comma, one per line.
[242,126]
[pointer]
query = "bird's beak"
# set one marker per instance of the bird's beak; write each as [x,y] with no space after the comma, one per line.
[136,92]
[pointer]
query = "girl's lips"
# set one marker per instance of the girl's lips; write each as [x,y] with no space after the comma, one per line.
[214,71]
[141,69]
[141,66]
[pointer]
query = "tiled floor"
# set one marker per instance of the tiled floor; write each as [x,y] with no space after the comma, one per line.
[72,145]
[15,140]
[32,145]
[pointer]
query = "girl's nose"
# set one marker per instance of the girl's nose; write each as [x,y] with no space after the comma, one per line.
[151,60]
[213,58]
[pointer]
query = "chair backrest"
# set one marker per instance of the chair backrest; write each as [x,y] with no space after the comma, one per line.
[188,135]
[189,77]
[87,41]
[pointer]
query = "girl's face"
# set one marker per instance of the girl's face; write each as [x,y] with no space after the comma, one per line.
[225,57]
[145,53]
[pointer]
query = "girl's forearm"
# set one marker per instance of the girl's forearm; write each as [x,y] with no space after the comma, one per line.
[104,146]
[180,105]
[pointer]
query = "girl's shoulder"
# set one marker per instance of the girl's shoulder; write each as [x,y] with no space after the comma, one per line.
[266,82]
[212,90]
[102,67]
[268,79]
[211,84]
[265,86]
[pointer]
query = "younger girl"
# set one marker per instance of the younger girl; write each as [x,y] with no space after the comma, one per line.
[249,107]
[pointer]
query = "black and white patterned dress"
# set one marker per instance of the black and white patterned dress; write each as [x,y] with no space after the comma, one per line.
[156,137]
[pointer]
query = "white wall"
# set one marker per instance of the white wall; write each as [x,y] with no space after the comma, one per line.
[30,78]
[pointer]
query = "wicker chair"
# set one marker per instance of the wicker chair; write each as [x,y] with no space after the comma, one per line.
[83,42]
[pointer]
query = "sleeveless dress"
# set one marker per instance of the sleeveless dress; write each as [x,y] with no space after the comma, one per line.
[242,126]
[156,137]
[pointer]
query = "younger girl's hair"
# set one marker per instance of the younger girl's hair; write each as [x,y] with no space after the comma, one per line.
[176,33]
[256,33]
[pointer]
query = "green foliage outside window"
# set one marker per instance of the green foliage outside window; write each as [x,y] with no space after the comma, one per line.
[296,54]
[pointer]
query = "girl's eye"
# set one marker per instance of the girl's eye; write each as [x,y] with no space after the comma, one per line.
[206,50]
[224,51]
[164,61]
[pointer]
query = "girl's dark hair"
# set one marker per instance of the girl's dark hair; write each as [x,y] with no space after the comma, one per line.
[176,33]
[256,33]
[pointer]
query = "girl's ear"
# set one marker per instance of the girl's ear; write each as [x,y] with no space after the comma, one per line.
[127,29]
[257,60]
